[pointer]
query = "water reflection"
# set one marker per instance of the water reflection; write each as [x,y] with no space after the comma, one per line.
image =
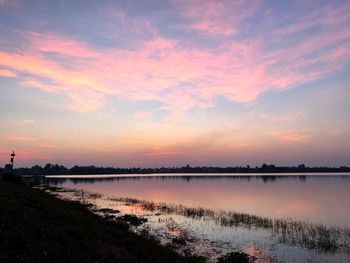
[211,234]
[315,198]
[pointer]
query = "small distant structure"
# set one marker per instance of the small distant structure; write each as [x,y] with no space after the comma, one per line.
[9,166]
[12,159]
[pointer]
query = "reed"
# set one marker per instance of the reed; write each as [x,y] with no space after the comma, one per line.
[289,231]
[293,232]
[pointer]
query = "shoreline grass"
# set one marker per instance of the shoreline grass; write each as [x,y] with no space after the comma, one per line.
[289,231]
[293,232]
[37,227]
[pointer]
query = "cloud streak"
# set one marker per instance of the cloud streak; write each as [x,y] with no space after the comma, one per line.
[16,138]
[180,76]
[216,18]
[25,122]
[7,73]
[288,136]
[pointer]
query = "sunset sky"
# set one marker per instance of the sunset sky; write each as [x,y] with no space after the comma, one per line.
[166,83]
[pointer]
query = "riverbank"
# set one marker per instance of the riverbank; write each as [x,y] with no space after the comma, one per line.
[36,227]
[205,215]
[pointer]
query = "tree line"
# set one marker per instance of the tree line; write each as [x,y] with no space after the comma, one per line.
[56,169]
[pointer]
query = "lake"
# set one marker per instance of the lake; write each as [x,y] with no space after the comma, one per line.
[278,217]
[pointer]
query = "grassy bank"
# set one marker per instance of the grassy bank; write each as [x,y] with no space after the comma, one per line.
[36,227]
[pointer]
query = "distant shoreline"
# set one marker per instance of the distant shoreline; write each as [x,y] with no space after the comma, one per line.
[87,176]
[56,169]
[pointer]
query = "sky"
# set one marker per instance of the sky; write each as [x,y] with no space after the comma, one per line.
[167,83]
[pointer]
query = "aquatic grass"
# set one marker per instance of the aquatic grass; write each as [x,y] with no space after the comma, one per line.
[179,236]
[289,231]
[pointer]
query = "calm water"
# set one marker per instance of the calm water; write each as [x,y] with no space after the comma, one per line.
[316,198]
[322,199]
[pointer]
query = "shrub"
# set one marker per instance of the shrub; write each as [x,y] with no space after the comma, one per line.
[236,257]
[12,178]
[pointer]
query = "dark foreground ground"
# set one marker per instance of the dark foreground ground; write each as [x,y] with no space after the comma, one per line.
[36,227]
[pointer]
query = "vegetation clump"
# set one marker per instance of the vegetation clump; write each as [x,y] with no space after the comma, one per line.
[12,178]
[179,241]
[108,211]
[236,257]
[132,220]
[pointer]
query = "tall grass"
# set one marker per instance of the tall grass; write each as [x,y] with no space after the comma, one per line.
[289,231]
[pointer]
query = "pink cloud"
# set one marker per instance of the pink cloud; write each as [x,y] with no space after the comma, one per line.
[134,25]
[237,71]
[56,44]
[7,73]
[47,146]
[10,3]
[216,18]
[213,28]
[243,145]
[168,71]
[40,85]
[86,101]
[81,88]
[292,117]
[291,136]
[323,16]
